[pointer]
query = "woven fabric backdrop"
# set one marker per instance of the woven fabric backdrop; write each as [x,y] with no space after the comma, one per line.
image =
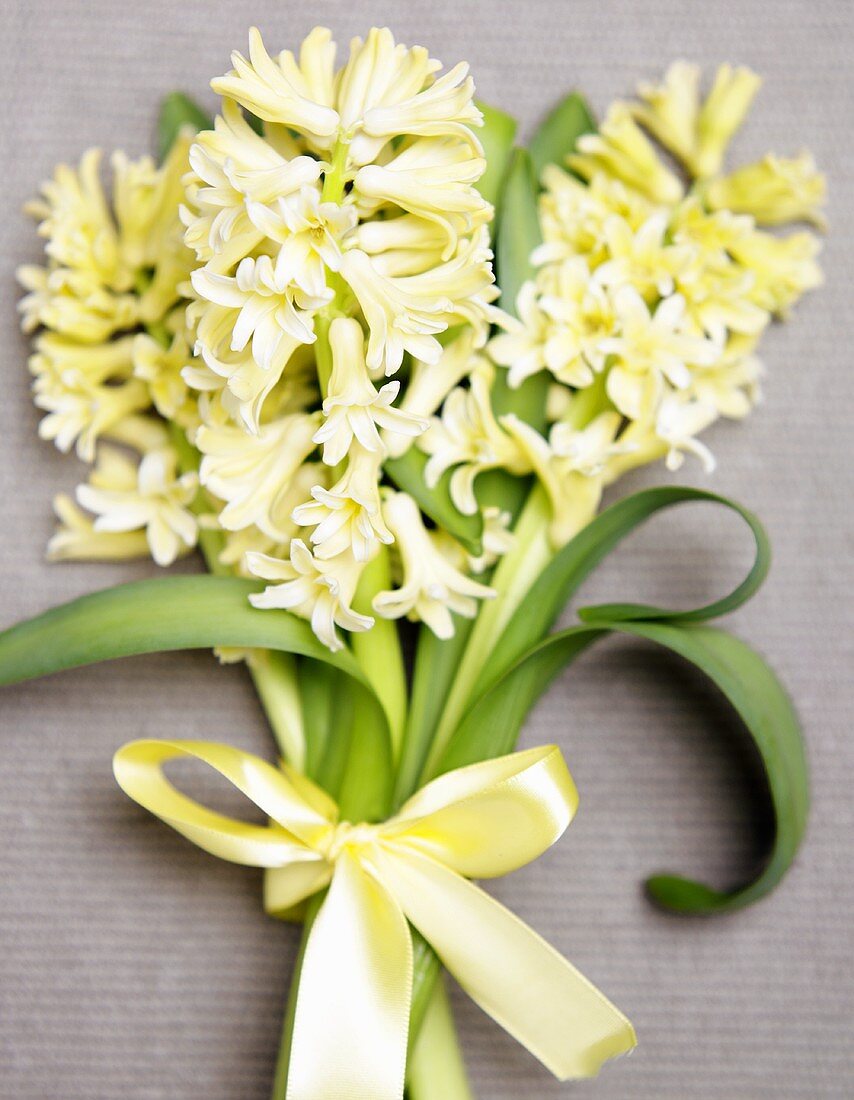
[133,965]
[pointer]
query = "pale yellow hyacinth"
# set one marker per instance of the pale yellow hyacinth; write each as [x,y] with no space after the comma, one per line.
[112,277]
[76,539]
[305,292]
[320,591]
[257,198]
[353,409]
[468,439]
[697,133]
[348,233]
[650,294]
[621,149]
[775,190]
[150,497]
[432,587]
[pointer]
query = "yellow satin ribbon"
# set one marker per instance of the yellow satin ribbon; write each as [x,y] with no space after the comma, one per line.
[352,1013]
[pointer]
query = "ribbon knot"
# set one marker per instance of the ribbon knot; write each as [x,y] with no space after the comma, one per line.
[352,1014]
[345,834]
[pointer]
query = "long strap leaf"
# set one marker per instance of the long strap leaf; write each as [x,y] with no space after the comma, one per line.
[196,612]
[492,725]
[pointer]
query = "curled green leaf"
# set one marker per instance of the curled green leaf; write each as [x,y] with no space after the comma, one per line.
[524,661]
[492,725]
[575,561]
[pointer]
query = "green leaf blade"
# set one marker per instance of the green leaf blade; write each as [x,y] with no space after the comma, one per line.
[763,705]
[169,613]
[571,566]
[517,235]
[558,134]
[496,136]
[492,724]
[177,111]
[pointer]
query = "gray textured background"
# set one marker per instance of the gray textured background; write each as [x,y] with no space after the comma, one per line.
[134,966]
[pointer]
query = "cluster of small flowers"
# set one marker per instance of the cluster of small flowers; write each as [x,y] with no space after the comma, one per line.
[339,236]
[109,352]
[649,299]
[332,234]
[315,296]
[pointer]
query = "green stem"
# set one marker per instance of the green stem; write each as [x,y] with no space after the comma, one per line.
[436,663]
[335,178]
[425,971]
[322,349]
[275,677]
[515,574]
[436,1069]
[378,650]
[334,182]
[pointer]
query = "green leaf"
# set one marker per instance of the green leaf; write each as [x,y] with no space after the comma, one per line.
[575,561]
[522,664]
[436,663]
[518,229]
[763,705]
[378,650]
[496,136]
[492,725]
[196,612]
[517,235]
[177,111]
[407,472]
[326,706]
[557,136]
[366,785]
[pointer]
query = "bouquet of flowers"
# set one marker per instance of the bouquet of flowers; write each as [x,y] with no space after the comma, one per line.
[285,344]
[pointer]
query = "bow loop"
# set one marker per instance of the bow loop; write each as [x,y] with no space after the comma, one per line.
[296,821]
[352,1012]
[488,819]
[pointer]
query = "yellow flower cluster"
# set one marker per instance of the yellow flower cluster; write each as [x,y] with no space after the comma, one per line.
[651,294]
[336,233]
[306,290]
[110,348]
[263,303]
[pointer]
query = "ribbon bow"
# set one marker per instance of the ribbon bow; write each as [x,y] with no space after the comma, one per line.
[352,1014]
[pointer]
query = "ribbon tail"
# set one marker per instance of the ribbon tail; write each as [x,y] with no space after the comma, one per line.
[507,969]
[352,1014]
